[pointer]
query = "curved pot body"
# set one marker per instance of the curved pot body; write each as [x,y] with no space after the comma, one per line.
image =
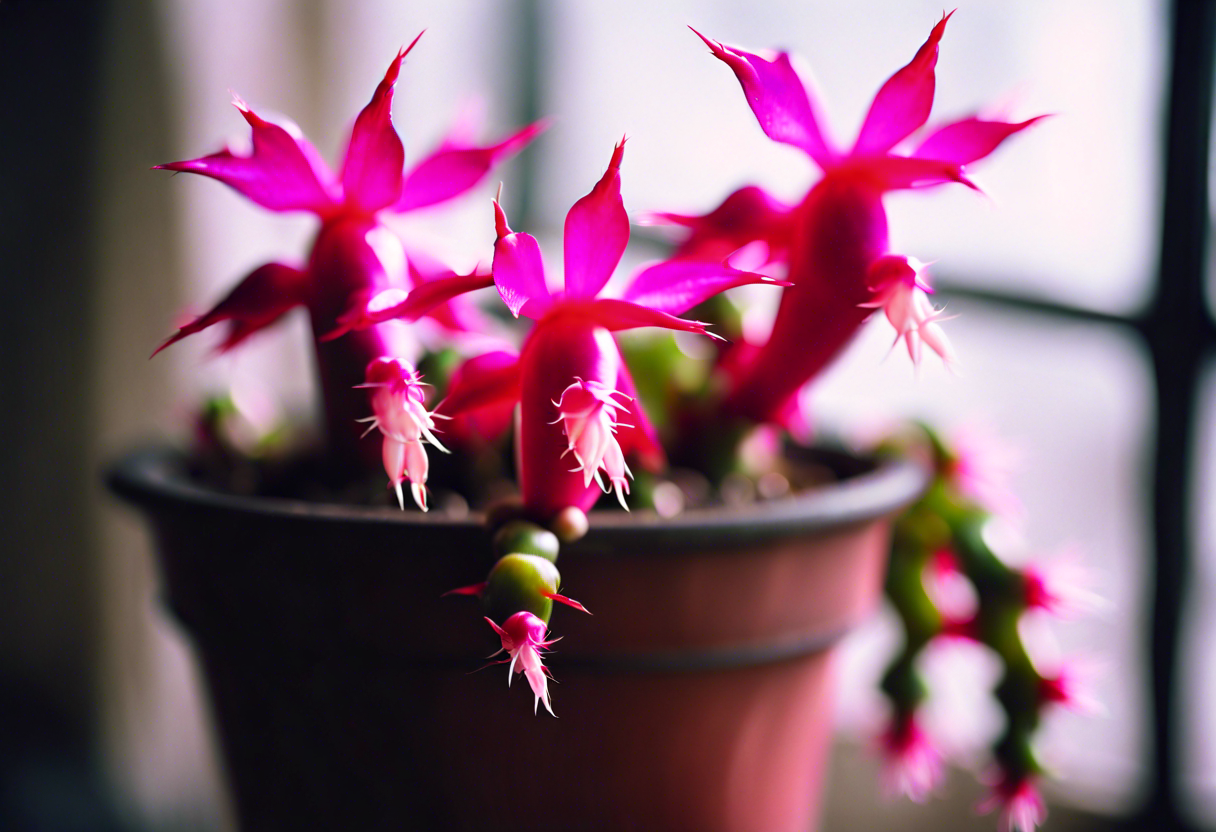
[348,692]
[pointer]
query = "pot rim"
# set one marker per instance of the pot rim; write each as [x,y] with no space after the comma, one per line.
[154,477]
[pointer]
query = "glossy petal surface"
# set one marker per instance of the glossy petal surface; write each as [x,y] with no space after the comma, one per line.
[283,173]
[678,285]
[596,233]
[519,269]
[969,139]
[455,168]
[371,172]
[903,103]
[778,98]
[268,293]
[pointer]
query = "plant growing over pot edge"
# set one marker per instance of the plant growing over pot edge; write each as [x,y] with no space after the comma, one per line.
[580,419]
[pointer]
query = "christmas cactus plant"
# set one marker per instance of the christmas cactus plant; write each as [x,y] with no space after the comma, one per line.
[571,410]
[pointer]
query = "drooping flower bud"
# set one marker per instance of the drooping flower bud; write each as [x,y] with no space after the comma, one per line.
[901,291]
[1020,804]
[523,639]
[399,412]
[589,418]
[912,765]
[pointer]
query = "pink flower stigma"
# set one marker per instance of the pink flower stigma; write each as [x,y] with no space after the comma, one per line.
[523,639]
[399,411]
[589,417]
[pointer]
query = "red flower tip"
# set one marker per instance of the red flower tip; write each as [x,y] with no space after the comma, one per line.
[523,639]
[390,75]
[562,599]
[476,590]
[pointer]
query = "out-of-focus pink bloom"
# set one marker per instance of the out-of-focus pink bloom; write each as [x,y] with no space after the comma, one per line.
[952,594]
[980,465]
[746,216]
[912,765]
[838,232]
[399,411]
[523,639]
[902,292]
[1072,686]
[1061,586]
[1019,802]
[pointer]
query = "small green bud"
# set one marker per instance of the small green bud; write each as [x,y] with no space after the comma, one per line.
[518,583]
[524,538]
[569,524]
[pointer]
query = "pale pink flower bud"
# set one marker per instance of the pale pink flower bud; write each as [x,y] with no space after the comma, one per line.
[523,639]
[399,411]
[588,415]
[903,294]
[912,766]
[1021,806]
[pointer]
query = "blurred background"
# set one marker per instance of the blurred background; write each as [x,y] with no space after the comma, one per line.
[1080,281]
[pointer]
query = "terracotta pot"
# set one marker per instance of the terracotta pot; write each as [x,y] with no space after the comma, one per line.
[347,691]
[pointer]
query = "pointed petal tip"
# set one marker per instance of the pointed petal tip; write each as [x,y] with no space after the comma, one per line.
[172,339]
[714,46]
[394,68]
[500,217]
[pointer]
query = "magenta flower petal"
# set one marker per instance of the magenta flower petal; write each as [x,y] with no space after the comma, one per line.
[615,315]
[895,173]
[283,173]
[268,293]
[678,285]
[371,172]
[778,98]
[408,305]
[747,215]
[454,168]
[485,380]
[597,231]
[904,102]
[969,140]
[519,270]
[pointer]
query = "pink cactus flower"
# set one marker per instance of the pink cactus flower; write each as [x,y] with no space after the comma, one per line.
[399,412]
[570,357]
[912,765]
[1021,806]
[1062,586]
[355,256]
[834,238]
[981,466]
[523,639]
[575,393]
